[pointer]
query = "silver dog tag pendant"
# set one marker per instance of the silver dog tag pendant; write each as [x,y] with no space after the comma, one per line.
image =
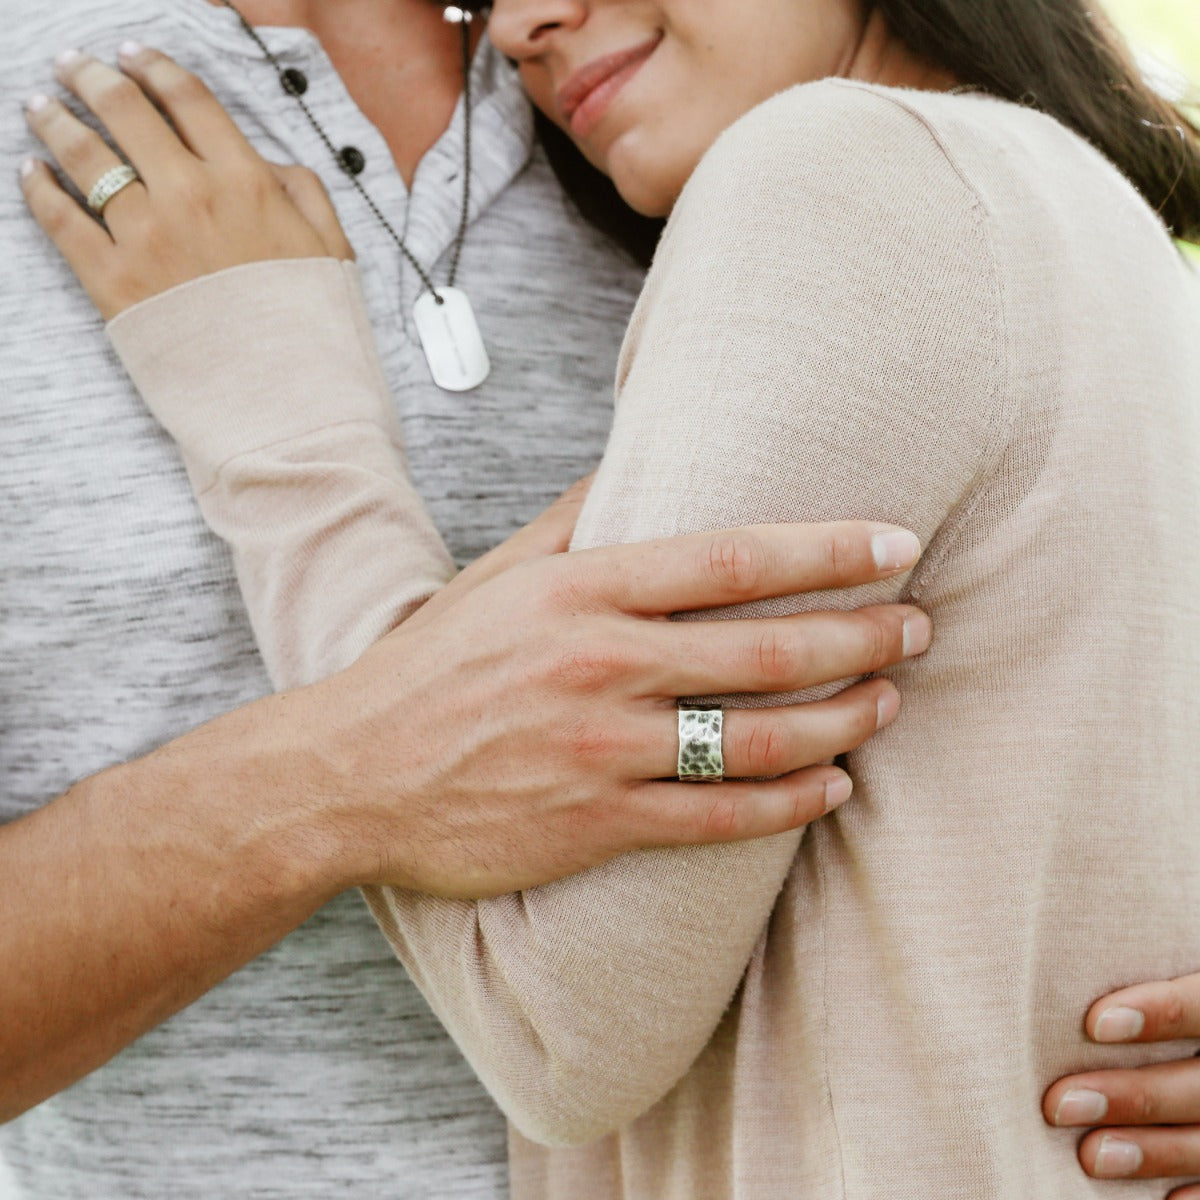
[450,337]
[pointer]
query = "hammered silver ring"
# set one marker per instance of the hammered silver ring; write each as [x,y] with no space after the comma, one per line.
[701,751]
[108,185]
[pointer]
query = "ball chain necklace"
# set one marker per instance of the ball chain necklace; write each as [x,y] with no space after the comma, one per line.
[443,316]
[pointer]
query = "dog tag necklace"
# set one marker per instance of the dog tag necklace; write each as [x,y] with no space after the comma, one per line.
[443,316]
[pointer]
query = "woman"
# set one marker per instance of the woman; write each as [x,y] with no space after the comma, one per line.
[883,291]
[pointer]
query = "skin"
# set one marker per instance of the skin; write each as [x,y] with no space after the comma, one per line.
[400,61]
[117,270]
[143,886]
[649,140]
[710,66]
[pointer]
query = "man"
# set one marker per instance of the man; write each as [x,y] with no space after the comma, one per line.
[325,1025]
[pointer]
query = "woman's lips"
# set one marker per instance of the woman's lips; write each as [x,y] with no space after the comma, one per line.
[584,98]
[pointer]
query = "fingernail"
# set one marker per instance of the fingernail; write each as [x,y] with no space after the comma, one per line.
[67,58]
[918,634]
[1117,1159]
[37,103]
[1081,1107]
[888,708]
[837,792]
[129,49]
[1119,1025]
[895,549]
[28,167]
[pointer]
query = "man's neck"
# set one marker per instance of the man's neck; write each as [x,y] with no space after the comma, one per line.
[399,59]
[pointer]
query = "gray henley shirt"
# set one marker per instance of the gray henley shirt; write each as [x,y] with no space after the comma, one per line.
[318,1070]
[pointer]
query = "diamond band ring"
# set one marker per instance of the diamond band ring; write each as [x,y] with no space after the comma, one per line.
[108,185]
[701,758]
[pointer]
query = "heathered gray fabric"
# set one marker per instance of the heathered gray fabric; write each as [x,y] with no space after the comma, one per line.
[318,1070]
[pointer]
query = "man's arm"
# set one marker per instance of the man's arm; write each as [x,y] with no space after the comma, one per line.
[143,886]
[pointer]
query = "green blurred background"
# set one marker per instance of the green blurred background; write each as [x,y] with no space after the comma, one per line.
[1167,31]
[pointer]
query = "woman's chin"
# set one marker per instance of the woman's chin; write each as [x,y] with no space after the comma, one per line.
[647,191]
[646,200]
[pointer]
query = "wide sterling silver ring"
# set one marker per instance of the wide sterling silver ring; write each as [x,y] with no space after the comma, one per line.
[108,185]
[701,753]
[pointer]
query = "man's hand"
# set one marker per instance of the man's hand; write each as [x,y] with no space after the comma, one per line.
[527,730]
[518,733]
[1147,1119]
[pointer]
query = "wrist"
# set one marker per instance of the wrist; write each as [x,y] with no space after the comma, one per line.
[239,797]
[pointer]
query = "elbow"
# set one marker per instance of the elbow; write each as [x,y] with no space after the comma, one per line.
[570,1105]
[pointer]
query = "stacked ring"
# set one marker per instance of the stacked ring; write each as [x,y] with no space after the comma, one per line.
[701,753]
[108,185]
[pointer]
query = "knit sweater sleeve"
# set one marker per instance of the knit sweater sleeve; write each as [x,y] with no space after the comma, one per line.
[268,378]
[820,338]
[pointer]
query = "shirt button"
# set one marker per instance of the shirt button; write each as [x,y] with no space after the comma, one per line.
[295,83]
[352,160]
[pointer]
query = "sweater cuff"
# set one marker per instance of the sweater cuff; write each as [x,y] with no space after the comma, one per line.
[252,356]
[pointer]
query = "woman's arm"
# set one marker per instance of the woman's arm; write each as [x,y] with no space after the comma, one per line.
[822,333]
[581,1004]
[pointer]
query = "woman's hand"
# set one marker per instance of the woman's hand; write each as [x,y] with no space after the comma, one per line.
[1147,1119]
[548,533]
[206,199]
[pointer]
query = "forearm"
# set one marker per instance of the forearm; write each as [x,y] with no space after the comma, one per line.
[142,887]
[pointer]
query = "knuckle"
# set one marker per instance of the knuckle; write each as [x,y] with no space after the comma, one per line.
[778,660]
[116,95]
[583,669]
[57,217]
[840,553]
[76,150]
[564,588]
[1142,1106]
[738,564]
[767,749]
[880,645]
[721,818]
[1174,1012]
[252,179]
[176,86]
[188,190]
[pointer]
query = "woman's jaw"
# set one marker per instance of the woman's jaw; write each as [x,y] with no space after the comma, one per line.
[644,87]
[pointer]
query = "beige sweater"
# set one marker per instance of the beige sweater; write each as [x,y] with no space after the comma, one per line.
[943,311]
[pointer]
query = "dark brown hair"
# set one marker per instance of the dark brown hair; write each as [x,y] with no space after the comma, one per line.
[1060,56]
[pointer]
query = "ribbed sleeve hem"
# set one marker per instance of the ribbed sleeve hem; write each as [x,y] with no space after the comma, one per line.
[207,358]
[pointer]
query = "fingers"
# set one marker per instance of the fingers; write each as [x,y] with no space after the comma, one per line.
[710,570]
[81,152]
[136,126]
[203,124]
[677,814]
[767,742]
[1141,1153]
[1162,1011]
[783,654]
[1161,1094]
[306,191]
[756,743]
[81,241]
